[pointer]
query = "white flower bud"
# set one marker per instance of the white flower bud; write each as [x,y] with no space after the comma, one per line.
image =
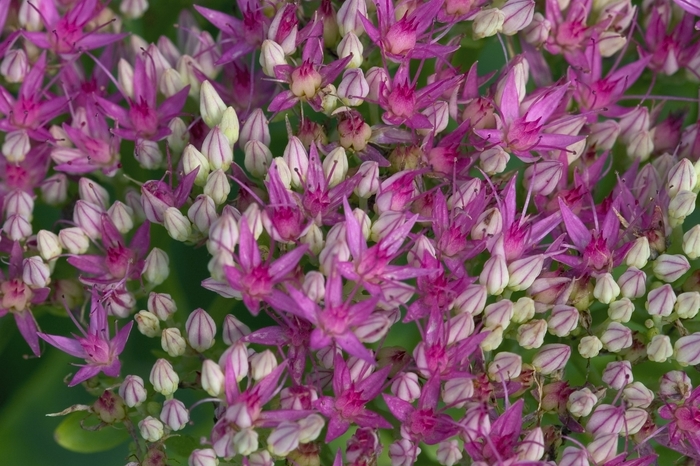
[590,346]
[217,186]
[178,226]
[48,244]
[211,106]
[606,290]
[156,267]
[212,378]
[621,311]
[147,323]
[74,240]
[691,242]
[271,55]
[350,44]
[335,166]
[262,364]
[639,253]
[687,304]
[193,159]
[151,429]
[487,22]
[172,342]
[659,348]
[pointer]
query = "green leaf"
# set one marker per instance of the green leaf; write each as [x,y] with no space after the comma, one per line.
[72,436]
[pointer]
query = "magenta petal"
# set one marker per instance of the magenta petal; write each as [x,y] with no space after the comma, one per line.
[336,428]
[283,101]
[28,328]
[67,345]
[121,337]
[354,347]
[353,232]
[113,369]
[285,264]
[85,373]
[399,408]
[88,264]
[371,419]
[577,231]
[172,106]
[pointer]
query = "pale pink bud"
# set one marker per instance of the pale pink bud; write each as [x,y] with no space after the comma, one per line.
[680,207]
[687,350]
[604,446]
[670,267]
[151,429]
[74,240]
[532,446]
[464,194]
[16,146]
[487,225]
[174,414]
[201,330]
[691,242]
[172,82]
[54,189]
[374,328]
[633,123]
[590,346]
[635,418]
[461,326]
[606,290]
[543,177]
[531,335]
[172,342]
[237,353]
[406,387]
[179,135]
[551,358]
[211,106]
[14,66]
[193,159]
[660,301]
[262,364]
[120,303]
[332,253]
[147,323]
[476,422]
[217,186]
[122,217]
[495,275]
[48,244]
[537,32]
[297,160]
[518,15]
[335,166]
[617,374]
[234,329]
[252,216]
[449,452]
[457,391]
[35,272]
[148,154]
[603,135]
[161,304]
[299,397]
[375,76]
[164,378]
[574,457]
[17,227]
[245,441]
[156,267]
[133,9]
[368,184]
[659,348]
[606,419]
[641,146]
[125,77]
[681,177]
[563,320]
[687,304]
[472,300]
[212,378]
[202,212]
[285,174]
[494,160]
[403,452]
[487,22]
[258,158]
[255,128]
[18,202]
[351,45]
[217,150]
[609,43]
[581,402]
[621,311]
[637,395]
[523,310]
[498,314]
[260,458]
[438,115]
[633,283]
[223,234]
[348,17]
[616,337]
[132,391]
[205,457]
[505,366]
[29,16]
[177,225]
[133,200]
[271,55]
[675,385]
[284,438]
[88,217]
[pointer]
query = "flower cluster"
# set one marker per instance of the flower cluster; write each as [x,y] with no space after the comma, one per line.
[423,262]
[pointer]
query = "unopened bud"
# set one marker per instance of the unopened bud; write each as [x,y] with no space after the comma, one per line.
[590,346]
[148,154]
[148,324]
[660,301]
[179,135]
[121,216]
[177,225]
[125,78]
[639,253]
[472,300]
[217,150]
[193,159]
[523,310]
[621,311]
[217,186]
[604,134]
[505,366]
[551,358]
[531,335]
[233,330]
[202,212]
[633,283]
[487,23]
[161,304]
[498,314]
[495,275]
[659,348]
[172,82]
[691,242]
[518,15]
[449,452]
[680,207]
[351,45]
[581,402]
[211,106]
[618,374]
[687,350]
[201,330]
[164,378]
[348,17]
[54,189]
[494,160]
[151,429]
[637,395]
[271,55]
[212,378]
[255,128]
[353,88]
[335,166]
[262,364]
[543,177]
[172,342]
[156,267]
[606,290]
[174,414]
[681,177]
[206,457]
[48,244]
[616,337]
[537,32]
[563,320]
[16,146]
[369,180]
[132,391]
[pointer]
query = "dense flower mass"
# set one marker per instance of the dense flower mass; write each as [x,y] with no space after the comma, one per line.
[436,231]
